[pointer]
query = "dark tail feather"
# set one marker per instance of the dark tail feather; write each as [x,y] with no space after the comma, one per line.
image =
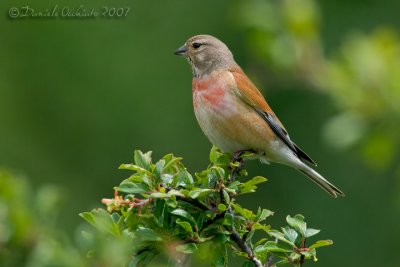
[321,181]
[303,156]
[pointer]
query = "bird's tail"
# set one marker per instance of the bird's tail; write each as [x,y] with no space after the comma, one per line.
[321,181]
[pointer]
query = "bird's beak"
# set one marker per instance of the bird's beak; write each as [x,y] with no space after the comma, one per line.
[181,51]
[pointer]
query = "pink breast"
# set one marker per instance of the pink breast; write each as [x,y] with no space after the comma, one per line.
[211,91]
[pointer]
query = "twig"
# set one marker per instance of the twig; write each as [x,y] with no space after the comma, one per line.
[303,245]
[269,262]
[194,202]
[235,236]
[242,244]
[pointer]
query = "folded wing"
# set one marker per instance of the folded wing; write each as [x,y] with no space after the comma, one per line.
[249,93]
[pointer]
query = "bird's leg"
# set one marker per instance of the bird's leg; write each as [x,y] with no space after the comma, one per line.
[236,157]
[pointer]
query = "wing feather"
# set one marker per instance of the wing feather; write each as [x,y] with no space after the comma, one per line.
[249,93]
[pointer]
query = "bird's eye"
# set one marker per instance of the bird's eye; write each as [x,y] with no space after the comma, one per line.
[196,45]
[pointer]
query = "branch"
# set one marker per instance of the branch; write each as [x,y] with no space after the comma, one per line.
[242,244]
[194,202]
[235,236]
[269,262]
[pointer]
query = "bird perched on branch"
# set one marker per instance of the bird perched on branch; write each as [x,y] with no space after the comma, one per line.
[234,115]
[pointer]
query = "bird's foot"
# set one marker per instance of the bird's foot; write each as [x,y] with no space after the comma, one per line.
[235,160]
[237,155]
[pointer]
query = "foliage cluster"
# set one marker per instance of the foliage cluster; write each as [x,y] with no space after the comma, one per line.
[163,210]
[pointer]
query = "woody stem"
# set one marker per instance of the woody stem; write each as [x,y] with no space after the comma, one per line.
[235,236]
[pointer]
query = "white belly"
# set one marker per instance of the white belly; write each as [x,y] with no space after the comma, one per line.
[216,123]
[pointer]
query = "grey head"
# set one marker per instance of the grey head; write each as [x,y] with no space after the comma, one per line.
[205,54]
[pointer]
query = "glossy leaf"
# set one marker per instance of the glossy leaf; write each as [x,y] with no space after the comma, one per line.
[185,225]
[143,160]
[321,243]
[132,188]
[184,214]
[102,220]
[250,185]
[297,222]
[311,232]
[200,193]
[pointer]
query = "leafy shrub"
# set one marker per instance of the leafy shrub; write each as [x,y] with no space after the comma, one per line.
[164,213]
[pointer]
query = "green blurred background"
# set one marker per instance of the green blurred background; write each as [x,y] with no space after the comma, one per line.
[77,96]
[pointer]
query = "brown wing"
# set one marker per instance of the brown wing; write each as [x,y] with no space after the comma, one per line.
[249,93]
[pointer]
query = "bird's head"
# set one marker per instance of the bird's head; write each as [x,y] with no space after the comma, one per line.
[205,54]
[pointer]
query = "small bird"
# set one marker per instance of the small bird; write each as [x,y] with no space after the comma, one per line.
[234,115]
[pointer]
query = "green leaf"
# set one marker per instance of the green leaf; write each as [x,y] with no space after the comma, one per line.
[159,167]
[174,192]
[116,217]
[136,178]
[149,180]
[295,258]
[186,248]
[146,234]
[219,171]
[250,185]
[311,232]
[271,246]
[247,214]
[282,262]
[184,179]
[249,237]
[259,226]
[310,254]
[167,179]
[280,236]
[184,214]
[321,243]
[228,219]
[297,222]
[102,220]
[133,167]
[143,159]
[221,207]
[171,163]
[185,192]
[219,158]
[254,181]
[260,249]
[261,241]
[159,195]
[132,188]
[196,193]
[159,211]
[171,202]
[261,216]
[234,184]
[185,225]
[290,234]
[227,198]
[214,154]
